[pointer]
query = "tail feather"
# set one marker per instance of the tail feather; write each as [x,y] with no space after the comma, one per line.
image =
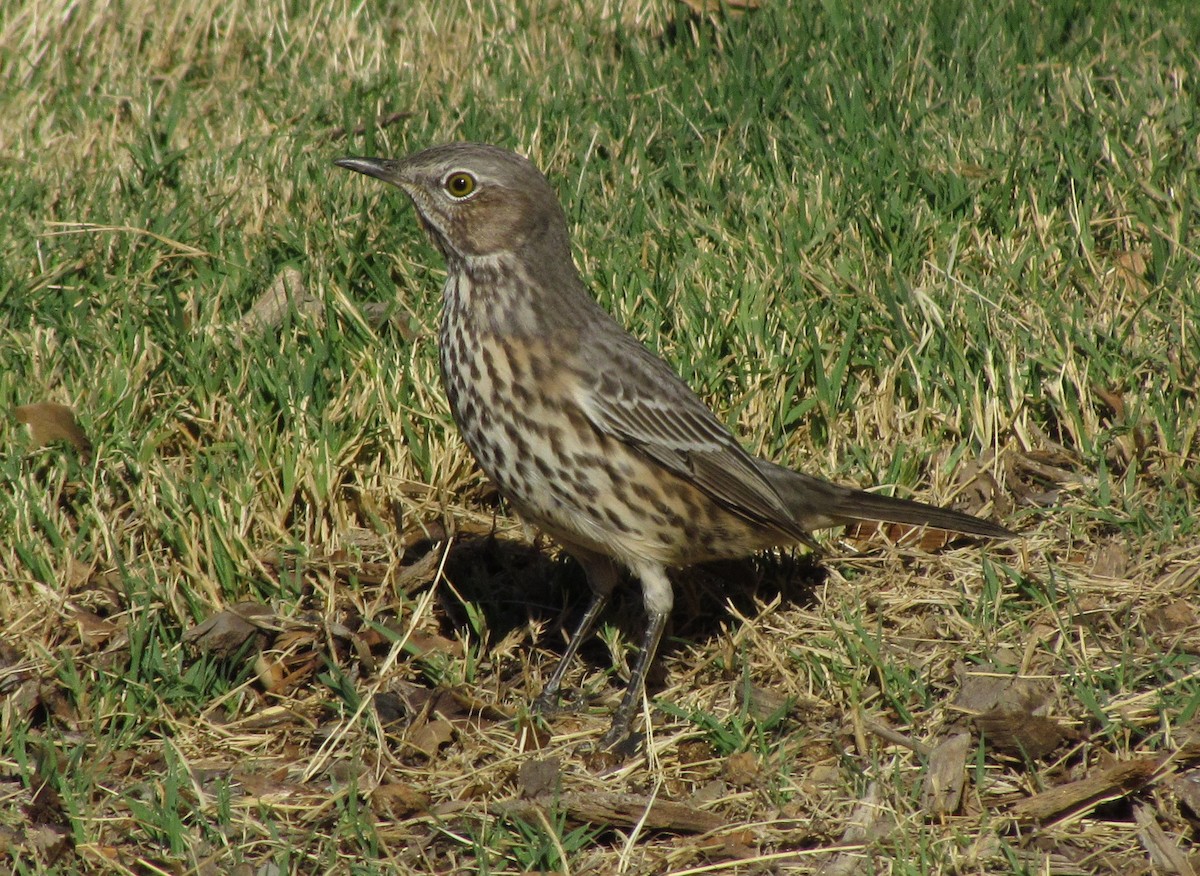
[816,504]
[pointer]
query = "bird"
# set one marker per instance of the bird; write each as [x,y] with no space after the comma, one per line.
[586,433]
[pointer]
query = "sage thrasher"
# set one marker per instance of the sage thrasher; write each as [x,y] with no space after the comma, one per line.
[586,433]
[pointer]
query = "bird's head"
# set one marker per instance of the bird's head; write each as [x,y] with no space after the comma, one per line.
[475,200]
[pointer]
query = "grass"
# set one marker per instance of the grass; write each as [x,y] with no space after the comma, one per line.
[903,245]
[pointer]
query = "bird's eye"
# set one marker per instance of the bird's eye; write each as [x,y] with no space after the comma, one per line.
[459,184]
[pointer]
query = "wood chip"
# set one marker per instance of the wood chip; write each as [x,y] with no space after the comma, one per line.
[1165,854]
[941,792]
[621,811]
[1089,792]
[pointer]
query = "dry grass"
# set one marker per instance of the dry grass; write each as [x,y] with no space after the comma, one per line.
[274,620]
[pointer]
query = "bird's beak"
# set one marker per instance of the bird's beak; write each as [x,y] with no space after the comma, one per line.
[385,169]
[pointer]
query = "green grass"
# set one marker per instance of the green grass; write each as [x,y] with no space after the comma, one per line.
[884,243]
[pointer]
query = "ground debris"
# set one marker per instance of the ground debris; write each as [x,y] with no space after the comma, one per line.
[869,821]
[618,810]
[1102,785]
[941,790]
[50,422]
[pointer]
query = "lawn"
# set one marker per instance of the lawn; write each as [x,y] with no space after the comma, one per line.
[260,612]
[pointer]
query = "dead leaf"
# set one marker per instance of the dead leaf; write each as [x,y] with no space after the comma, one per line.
[290,671]
[1038,477]
[93,630]
[1114,398]
[270,672]
[47,842]
[49,422]
[379,313]
[532,734]
[1019,732]
[976,486]
[710,792]
[693,751]
[537,776]
[1187,789]
[54,700]
[389,707]
[1008,710]
[984,692]
[764,703]
[270,789]
[1175,617]
[422,644]
[20,699]
[1131,268]
[870,820]
[226,632]
[863,533]
[428,736]
[1111,561]
[286,293]
[77,574]
[742,769]
[398,800]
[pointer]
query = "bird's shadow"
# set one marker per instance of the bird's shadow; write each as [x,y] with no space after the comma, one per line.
[514,585]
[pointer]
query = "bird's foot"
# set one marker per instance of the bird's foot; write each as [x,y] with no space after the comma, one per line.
[621,742]
[570,701]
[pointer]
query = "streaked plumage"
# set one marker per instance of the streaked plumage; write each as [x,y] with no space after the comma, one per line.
[586,432]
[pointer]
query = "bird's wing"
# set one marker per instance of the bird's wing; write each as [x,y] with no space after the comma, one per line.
[636,397]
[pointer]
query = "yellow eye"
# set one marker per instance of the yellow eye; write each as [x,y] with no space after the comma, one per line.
[460,184]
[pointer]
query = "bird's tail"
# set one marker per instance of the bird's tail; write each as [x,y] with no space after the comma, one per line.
[816,504]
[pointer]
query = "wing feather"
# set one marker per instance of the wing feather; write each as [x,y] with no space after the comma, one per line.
[638,399]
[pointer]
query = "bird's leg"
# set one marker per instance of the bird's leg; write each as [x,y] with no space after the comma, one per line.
[601,577]
[547,701]
[656,593]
